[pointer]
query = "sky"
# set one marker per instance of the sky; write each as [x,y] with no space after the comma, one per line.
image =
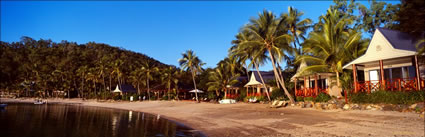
[162,30]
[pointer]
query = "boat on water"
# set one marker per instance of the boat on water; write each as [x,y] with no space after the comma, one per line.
[39,102]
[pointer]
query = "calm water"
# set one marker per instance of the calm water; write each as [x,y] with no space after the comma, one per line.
[55,120]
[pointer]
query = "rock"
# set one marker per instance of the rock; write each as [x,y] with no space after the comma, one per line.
[406,110]
[282,114]
[333,101]
[355,107]
[324,106]
[331,106]
[317,105]
[413,106]
[346,107]
[388,108]
[369,107]
[308,105]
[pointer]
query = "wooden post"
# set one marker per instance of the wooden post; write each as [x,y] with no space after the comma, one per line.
[296,79]
[305,85]
[355,77]
[381,68]
[247,91]
[316,85]
[418,75]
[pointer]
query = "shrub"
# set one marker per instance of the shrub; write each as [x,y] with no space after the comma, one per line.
[308,99]
[300,98]
[260,98]
[322,97]
[276,94]
[241,96]
[211,95]
[389,97]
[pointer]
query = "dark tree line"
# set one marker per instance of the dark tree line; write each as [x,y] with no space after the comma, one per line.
[32,67]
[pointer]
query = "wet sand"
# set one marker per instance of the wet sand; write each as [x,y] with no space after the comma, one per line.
[243,119]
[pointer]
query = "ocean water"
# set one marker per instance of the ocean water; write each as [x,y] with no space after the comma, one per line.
[59,120]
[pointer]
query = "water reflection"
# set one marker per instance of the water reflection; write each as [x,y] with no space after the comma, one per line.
[52,120]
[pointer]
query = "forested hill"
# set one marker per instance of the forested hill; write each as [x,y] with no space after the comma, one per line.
[67,65]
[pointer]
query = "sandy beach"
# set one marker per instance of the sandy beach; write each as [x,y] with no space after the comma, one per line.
[243,119]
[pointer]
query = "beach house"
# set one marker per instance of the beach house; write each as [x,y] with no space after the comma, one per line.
[390,63]
[310,84]
[255,87]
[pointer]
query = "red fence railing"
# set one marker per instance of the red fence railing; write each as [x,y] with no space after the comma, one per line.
[401,84]
[309,92]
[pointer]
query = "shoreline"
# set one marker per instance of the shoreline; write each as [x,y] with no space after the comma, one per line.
[243,119]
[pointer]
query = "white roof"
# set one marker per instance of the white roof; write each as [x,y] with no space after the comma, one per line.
[252,81]
[117,89]
[380,49]
[196,90]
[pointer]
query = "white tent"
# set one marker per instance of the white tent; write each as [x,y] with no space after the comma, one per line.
[196,90]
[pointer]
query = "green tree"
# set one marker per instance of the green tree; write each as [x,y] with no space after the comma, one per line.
[149,68]
[191,62]
[411,17]
[168,77]
[270,35]
[297,27]
[220,78]
[333,46]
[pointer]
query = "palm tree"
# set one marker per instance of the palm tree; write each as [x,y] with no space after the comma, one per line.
[242,56]
[257,57]
[220,78]
[168,76]
[82,73]
[296,26]
[92,76]
[192,63]
[333,46]
[177,76]
[269,35]
[137,76]
[117,70]
[420,46]
[149,68]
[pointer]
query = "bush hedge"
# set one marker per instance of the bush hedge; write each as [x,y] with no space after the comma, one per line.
[322,97]
[389,97]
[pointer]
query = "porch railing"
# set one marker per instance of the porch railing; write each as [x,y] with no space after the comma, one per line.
[309,92]
[232,96]
[401,84]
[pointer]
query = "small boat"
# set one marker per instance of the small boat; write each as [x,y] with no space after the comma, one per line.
[39,102]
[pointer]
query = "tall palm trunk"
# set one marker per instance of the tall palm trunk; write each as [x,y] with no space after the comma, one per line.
[82,87]
[337,79]
[282,83]
[147,82]
[138,87]
[262,80]
[247,74]
[104,85]
[169,86]
[110,83]
[194,84]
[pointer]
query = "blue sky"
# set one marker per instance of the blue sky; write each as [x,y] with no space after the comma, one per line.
[162,30]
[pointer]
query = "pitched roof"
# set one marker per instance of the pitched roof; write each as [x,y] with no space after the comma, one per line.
[399,40]
[128,88]
[386,44]
[256,80]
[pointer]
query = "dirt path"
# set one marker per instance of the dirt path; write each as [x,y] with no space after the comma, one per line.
[244,119]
